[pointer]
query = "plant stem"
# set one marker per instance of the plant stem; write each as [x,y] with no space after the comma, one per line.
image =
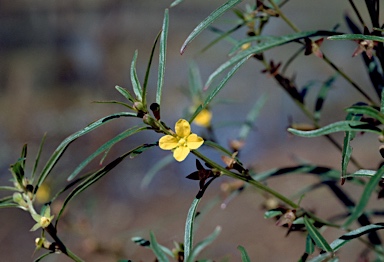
[281,14]
[247,179]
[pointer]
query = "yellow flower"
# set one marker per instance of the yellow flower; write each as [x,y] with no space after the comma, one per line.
[42,221]
[203,118]
[182,142]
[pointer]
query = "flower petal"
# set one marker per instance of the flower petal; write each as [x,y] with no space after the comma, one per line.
[180,153]
[182,128]
[194,141]
[203,118]
[168,142]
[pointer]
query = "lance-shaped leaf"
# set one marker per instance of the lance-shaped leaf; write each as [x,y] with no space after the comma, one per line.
[341,126]
[7,202]
[244,254]
[367,110]
[146,243]
[276,41]
[251,118]
[135,80]
[356,37]
[124,92]
[209,20]
[316,236]
[162,56]
[201,245]
[157,250]
[368,190]
[216,90]
[347,148]
[106,146]
[344,239]
[38,157]
[322,96]
[63,146]
[145,84]
[93,178]
[189,225]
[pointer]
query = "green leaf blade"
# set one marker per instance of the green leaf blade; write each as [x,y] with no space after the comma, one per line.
[341,126]
[135,79]
[316,236]
[207,21]
[189,225]
[162,56]
[368,190]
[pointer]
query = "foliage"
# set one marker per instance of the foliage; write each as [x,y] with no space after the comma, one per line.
[365,117]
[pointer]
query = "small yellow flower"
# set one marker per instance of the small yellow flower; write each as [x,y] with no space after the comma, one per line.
[42,221]
[182,142]
[203,118]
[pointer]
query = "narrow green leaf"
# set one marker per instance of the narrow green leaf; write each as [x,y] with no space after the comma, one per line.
[162,56]
[38,157]
[145,84]
[341,126]
[207,21]
[257,39]
[146,243]
[316,236]
[175,3]
[368,190]
[323,172]
[114,102]
[344,239]
[363,173]
[159,253]
[189,224]
[218,147]
[322,95]
[276,41]
[7,202]
[367,110]
[9,188]
[154,170]
[40,258]
[356,37]
[272,213]
[124,92]
[322,257]
[63,146]
[127,133]
[216,90]
[135,80]
[201,245]
[251,118]
[223,36]
[194,80]
[91,179]
[309,245]
[244,254]
[347,148]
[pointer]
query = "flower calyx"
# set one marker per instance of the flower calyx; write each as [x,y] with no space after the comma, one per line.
[202,175]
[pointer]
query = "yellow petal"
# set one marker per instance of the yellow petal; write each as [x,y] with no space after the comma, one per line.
[194,141]
[168,142]
[182,128]
[180,153]
[203,118]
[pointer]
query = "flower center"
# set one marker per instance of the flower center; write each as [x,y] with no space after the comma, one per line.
[45,221]
[182,142]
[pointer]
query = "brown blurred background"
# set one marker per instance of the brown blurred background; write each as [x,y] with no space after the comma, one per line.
[56,57]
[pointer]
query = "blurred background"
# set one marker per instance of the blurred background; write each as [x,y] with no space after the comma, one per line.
[57,57]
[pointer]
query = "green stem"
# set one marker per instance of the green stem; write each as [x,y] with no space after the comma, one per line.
[247,179]
[281,14]
[348,79]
